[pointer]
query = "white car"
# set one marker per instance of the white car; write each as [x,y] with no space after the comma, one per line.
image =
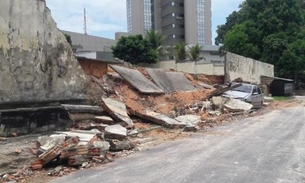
[248,93]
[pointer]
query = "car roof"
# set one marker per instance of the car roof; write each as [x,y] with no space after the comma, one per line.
[246,84]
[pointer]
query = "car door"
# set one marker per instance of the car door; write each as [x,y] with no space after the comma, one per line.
[255,97]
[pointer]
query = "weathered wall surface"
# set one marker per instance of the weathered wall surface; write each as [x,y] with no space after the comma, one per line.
[36,62]
[191,67]
[248,69]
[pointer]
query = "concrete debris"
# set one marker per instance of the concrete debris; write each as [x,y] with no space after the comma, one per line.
[266,104]
[115,132]
[104,119]
[160,78]
[235,105]
[191,128]
[103,145]
[137,80]
[116,145]
[133,133]
[46,143]
[268,99]
[218,102]
[190,120]
[117,110]
[180,82]
[206,86]
[160,119]
[73,109]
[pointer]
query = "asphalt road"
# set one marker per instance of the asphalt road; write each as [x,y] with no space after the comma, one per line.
[263,149]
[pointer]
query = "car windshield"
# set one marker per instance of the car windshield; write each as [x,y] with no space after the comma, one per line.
[243,88]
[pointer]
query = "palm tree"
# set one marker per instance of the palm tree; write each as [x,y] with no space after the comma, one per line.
[156,40]
[181,53]
[194,53]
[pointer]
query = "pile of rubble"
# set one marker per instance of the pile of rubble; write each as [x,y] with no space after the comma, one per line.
[167,98]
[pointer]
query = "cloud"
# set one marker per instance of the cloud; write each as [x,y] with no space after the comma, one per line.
[102,16]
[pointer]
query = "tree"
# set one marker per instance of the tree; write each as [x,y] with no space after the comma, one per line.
[180,52]
[68,38]
[156,41]
[194,52]
[266,30]
[135,49]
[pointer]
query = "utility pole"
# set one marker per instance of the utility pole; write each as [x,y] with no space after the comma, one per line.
[85,22]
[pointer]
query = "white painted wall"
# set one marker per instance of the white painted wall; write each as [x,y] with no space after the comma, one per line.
[191,67]
[248,69]
[89,54]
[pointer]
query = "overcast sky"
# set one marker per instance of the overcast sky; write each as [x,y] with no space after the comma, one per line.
[105,17]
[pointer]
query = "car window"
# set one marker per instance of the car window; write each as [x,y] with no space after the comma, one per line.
[255,90]
[243,88]
[259,91]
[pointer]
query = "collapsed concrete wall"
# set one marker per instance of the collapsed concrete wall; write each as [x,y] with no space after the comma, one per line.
[248,69]
[36,61]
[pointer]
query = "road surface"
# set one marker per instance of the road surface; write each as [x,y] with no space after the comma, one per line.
[263,149]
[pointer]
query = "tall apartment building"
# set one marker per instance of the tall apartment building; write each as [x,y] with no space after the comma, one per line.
[186,21]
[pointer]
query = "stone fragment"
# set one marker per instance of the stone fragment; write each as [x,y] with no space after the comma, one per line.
[47,142]
[189,119]
[104,119]
[115,132]
[134,132]
[190,128]
[117,110]
[218,101]
[77,160]
[235,105]
[103,145]
[116,145]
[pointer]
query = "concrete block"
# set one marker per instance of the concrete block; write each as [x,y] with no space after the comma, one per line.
[115,132]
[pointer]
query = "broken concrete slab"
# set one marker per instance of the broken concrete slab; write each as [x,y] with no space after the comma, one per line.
[104,119]
[159,119]
[180,82]
[206,86]
[117,110]
[48,142]
[235,105]
[218,102]
[137,80]
[84,109]
[115,132]
[159,76]
[83,135]
[190,120]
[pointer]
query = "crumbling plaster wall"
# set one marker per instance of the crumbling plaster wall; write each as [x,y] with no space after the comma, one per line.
[248,69]
[36,61]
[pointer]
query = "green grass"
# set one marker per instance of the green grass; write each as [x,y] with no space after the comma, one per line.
[282,98]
